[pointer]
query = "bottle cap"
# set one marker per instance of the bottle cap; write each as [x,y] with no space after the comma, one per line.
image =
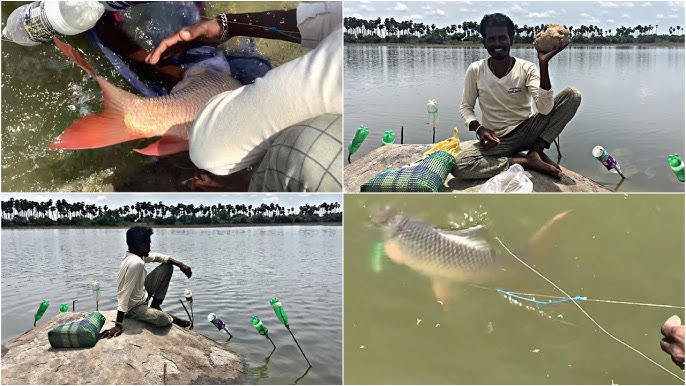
[388,137]
[598,151]
[211,316]
[88,13]
[674,160]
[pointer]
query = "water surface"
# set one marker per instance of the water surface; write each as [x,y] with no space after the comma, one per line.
[632,103]
[609,247]
[236,271]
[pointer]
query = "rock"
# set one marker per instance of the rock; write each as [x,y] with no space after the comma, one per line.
[550,37]
[394,156]
[143,354]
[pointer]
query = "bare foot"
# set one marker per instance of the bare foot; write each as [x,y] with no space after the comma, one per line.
[181,322]
[546,159]
[533,161]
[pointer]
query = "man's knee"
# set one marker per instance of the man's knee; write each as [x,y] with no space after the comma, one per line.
[573,95]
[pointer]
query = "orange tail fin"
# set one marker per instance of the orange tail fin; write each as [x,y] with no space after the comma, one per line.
[536,242]
[96,130]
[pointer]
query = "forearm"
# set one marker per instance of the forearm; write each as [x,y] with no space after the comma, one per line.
[258,25]
[120,318]
[175,262]
[545,76]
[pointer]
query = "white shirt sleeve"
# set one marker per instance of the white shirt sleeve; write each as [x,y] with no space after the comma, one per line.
[471,92]
[317,20]
[544,99]
[155,257]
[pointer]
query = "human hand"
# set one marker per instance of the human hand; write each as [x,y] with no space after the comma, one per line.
[111,333]
[186,270]
[673,341]
[205,30]
[487,138]
[544,57]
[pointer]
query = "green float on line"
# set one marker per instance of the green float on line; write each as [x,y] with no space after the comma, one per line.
[377,257]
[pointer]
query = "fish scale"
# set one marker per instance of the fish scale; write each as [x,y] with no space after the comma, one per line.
[433,252]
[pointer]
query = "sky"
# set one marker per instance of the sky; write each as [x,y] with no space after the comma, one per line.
[604,14]
[116,200]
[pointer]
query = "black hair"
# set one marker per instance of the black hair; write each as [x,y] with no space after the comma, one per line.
[137,236]
[497,20]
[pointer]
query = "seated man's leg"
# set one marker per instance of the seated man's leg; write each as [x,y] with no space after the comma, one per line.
[157,283]
[150,315]
[473,162]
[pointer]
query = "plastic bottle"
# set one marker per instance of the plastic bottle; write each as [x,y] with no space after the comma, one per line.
[388,137]
[259,326]
[41,310]
[606,159]
[280,312]
[37,22]
[677,165]
[95,286]
[64,307]
[360,136]
[189,295]
[216,321]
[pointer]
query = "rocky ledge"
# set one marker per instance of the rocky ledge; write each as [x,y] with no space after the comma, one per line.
[143,354]
[393,156]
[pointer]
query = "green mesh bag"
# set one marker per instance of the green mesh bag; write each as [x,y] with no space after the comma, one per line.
[79,333]
[426,176]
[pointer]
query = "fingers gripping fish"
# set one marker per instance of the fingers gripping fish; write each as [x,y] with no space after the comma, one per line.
[126,117]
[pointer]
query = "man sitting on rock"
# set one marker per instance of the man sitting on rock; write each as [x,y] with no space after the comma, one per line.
[135,287]
[505,86]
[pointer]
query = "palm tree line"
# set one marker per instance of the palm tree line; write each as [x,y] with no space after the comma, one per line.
[409,32]
[23,212]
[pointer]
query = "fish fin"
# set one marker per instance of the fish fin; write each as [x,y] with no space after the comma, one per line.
[444,291]
[544,232]
[471,241]
[165,146]
[96,130]
[464,232]
[71,53]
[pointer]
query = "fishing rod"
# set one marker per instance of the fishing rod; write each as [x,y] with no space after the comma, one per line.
[262,329]
[587,315]
[283,317]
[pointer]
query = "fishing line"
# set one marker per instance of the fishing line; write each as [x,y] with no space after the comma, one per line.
[587,315]
[584,298]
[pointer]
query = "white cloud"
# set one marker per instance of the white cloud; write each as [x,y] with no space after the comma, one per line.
[517,9]
[270,198]
[367,8]
[542,15]
[626,16]
[100,198]
[437,12]
[661,16]
[355,15]
[646,4]
[401,7]
[427,7]
[627,4]
[611,21]
[415,17]
[589,18]
[607,4]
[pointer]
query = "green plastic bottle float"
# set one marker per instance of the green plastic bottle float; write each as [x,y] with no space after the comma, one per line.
[283,318]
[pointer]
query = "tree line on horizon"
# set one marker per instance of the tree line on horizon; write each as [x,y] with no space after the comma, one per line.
[409,32]
[22,212]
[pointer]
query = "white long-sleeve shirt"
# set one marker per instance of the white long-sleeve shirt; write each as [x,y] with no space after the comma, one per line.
[504,102]
[131,279]
[236,128]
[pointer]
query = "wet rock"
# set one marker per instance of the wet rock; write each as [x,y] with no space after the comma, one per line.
[550,37]
[143,354]
[394,156]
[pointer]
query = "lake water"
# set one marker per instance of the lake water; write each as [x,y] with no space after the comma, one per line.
[632,104]
[236,271]
[43,93]
[609,247]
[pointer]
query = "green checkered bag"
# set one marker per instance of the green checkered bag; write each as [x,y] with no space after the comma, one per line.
[79,333]
[427,175]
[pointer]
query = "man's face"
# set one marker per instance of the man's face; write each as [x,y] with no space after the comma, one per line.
[145,249]
[497,42]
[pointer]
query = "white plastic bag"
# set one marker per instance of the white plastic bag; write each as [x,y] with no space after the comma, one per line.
[512,180]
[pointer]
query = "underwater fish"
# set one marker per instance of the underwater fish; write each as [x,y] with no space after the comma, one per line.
[127,117]
[444,256]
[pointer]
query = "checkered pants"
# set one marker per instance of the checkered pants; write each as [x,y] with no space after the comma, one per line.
[156,284]
[475,162]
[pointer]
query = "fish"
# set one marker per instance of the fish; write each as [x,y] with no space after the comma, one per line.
[126,117]
[444,256]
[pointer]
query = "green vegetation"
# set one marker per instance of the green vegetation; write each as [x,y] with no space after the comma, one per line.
[26,213]
[409,32]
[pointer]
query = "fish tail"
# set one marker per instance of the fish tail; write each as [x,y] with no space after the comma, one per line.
[102,129]
[536,240]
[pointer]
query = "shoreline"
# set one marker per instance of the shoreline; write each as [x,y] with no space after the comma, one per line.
[335,223]
[524,45]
